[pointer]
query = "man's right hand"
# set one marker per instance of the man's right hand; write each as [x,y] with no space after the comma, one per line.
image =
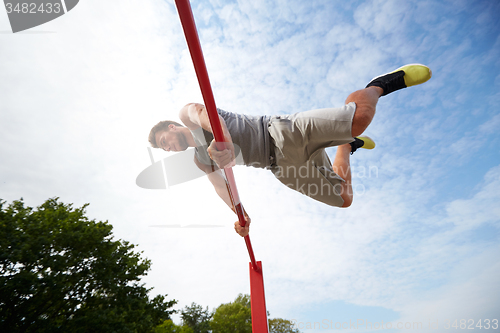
[224,158]
[243,231]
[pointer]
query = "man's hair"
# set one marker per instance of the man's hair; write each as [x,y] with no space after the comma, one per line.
[161,126]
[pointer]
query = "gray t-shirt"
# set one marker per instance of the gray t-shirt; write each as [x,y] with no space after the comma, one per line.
[250,137]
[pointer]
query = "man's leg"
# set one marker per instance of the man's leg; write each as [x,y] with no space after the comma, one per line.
[366,101]
[341,166]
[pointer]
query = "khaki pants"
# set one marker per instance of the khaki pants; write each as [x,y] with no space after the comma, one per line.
[299,146]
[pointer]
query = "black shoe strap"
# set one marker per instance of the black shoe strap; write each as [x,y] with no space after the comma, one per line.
[357,143]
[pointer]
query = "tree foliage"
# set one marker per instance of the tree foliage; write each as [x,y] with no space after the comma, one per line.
[196,318]
[61,272]
[278,325]
[233,317]
[168,326]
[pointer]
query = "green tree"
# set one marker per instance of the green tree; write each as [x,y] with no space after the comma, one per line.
[168,326]
[61,272]
[279,325]
[196,318]
[233,317]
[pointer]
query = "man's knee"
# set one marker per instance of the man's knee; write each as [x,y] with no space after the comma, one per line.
[347,202]
[347,196]
[362,118]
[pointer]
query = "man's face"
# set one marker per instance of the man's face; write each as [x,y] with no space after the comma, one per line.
[171,139]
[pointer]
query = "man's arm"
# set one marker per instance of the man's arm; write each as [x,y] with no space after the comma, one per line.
[219,182]
[217,179]
[195,115]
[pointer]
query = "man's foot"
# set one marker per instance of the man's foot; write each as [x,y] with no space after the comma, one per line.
[406,76]
[362,142]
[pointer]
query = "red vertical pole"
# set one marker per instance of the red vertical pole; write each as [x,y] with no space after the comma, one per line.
[258,300]
[257,296]
[193,41]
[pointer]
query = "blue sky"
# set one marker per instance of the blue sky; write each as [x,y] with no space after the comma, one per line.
[421,241]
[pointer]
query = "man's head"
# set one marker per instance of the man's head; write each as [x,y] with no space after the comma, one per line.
[168,136]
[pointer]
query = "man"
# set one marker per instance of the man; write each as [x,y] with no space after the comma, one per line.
[291,146]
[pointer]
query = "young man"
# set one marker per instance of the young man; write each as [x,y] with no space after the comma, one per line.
[291,146]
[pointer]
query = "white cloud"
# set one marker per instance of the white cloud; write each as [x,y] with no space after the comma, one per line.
[470,299]
[482,208]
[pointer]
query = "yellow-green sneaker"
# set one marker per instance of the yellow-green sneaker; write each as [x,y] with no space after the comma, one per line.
[362,142]
[406,76]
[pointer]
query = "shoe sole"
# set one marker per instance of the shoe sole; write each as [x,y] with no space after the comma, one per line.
[371,143]
[401,68]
